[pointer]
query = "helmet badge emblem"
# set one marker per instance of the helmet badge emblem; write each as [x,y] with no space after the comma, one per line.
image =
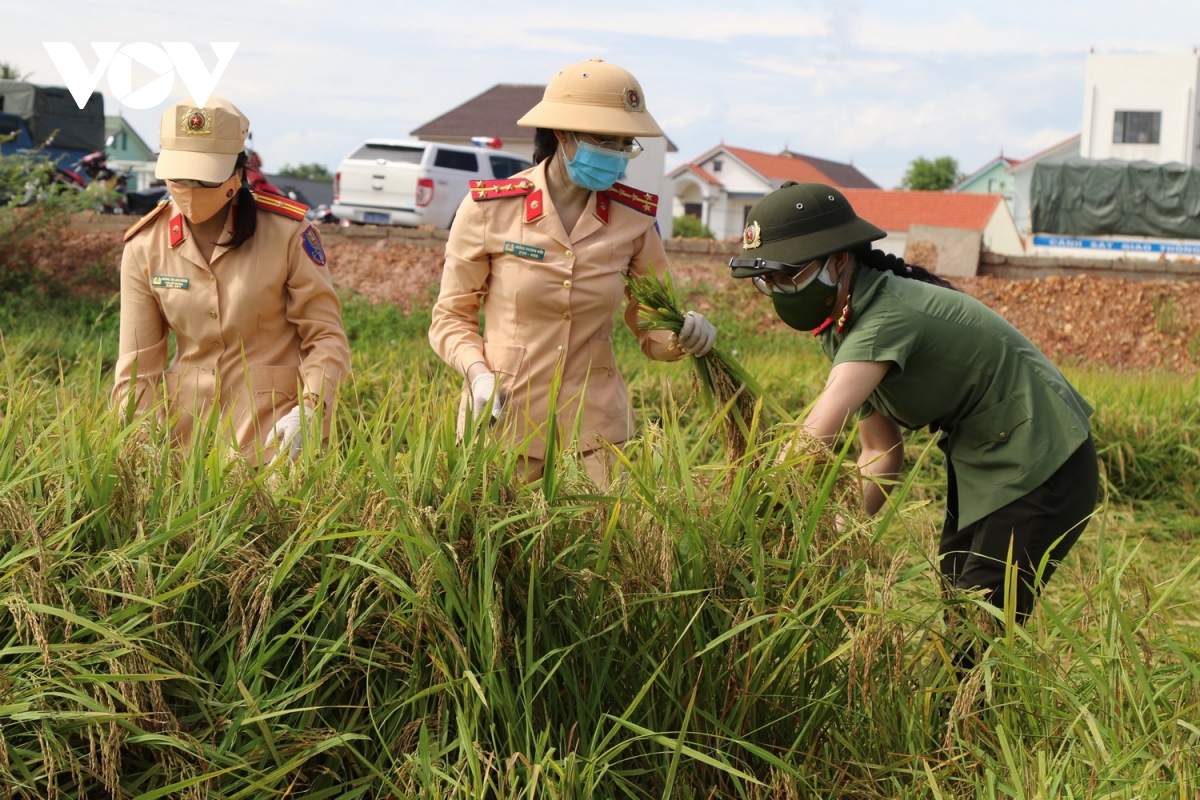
[752,236]
[196,123]
[633,100]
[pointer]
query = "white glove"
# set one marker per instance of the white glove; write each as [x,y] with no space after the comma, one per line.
[286,433]
[483,389]
[697,335]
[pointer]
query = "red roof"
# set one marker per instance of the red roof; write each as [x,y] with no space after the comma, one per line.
[703,174]
[899,210]
[802,168]
[784,168]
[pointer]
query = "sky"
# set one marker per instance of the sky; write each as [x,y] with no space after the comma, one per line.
[875,83]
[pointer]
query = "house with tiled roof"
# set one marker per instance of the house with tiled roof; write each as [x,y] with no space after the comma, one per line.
[898,212]
[494,114]
[721,186]
[128,151]
[992,178]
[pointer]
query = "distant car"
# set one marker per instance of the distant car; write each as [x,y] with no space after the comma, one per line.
[410,183]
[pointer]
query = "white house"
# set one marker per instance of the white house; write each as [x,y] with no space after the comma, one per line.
[1142,107]
[722,185]
[898,211]
[1022,173]
[494,113]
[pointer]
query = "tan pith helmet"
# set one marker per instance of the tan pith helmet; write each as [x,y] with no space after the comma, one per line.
[593,97]
[200,144]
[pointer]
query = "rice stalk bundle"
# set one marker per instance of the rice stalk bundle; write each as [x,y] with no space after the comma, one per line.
[723,381]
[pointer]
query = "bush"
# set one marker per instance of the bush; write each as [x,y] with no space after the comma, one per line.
[34,210]
[689,227]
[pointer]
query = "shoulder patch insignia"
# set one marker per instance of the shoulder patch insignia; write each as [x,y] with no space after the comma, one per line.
[313,246]
[146,220]
[634,198]
[491,190]
[281,205]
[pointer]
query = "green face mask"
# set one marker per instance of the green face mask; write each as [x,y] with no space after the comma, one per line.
[809,307]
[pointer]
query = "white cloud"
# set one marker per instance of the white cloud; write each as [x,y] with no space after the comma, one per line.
[879,82]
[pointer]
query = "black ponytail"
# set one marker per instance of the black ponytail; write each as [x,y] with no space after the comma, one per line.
[545,145]
[886,262]
[245,211]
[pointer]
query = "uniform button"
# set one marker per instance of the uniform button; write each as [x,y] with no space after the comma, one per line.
[560,348]
[212,277]
[566,315]
[212,314]
[1003,435]
[569,254]
[567,284]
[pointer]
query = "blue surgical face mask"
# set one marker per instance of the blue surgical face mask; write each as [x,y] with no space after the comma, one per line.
[595,168]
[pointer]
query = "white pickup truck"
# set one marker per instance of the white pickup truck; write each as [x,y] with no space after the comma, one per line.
[410,183]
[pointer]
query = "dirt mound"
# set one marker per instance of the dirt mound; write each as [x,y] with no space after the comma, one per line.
[1103,321]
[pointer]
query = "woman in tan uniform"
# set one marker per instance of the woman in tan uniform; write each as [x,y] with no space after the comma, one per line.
[242,281]
[548,249]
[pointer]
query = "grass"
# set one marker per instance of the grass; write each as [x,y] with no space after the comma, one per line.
[398,617]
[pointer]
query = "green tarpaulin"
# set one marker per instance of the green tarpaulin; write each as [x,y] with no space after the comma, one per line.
[1133,198]
[51,111]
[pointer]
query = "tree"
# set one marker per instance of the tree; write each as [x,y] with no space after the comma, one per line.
[11,72]
[931,176]
[311,172]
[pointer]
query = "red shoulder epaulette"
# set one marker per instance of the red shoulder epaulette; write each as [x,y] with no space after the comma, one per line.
[634,198]
[146,220]
[281,205]
[490,190]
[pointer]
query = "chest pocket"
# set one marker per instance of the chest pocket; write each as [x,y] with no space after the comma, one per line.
[1000,440]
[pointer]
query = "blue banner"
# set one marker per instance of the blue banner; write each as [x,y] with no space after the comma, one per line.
[1121,245]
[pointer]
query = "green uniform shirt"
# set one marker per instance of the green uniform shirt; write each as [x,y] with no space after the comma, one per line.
[1008,417]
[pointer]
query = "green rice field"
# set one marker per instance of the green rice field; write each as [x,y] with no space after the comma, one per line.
[398,617]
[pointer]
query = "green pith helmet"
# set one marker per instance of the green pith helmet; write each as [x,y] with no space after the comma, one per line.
[797,223]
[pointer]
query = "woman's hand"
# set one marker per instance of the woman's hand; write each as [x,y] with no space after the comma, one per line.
[286,433]
[483,389]
[697,336]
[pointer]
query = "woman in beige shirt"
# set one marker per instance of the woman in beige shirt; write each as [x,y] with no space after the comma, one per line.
[544,254]
[242,281]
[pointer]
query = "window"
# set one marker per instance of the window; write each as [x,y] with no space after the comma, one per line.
[746,215]
[691,210]
[505,167]
[400,154]
[1137,127]
[453,159]
[717,165]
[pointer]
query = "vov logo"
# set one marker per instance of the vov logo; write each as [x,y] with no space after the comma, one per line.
[164,61]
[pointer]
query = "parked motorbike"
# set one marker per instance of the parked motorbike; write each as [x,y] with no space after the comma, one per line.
[95,167]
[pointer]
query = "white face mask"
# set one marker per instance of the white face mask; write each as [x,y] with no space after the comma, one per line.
[201,203]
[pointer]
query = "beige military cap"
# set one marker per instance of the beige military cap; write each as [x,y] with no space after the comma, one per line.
[201,144]
[593,97]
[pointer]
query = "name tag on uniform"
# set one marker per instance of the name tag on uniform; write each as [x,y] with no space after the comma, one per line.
[525,250]
[169,282]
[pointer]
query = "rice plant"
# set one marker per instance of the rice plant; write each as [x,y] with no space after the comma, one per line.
[397,616]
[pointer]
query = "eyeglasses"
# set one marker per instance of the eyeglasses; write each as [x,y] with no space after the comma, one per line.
[784,280]
[194,184]
[633,149]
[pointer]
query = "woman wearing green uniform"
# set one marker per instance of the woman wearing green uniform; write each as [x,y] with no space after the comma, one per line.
[909,350]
